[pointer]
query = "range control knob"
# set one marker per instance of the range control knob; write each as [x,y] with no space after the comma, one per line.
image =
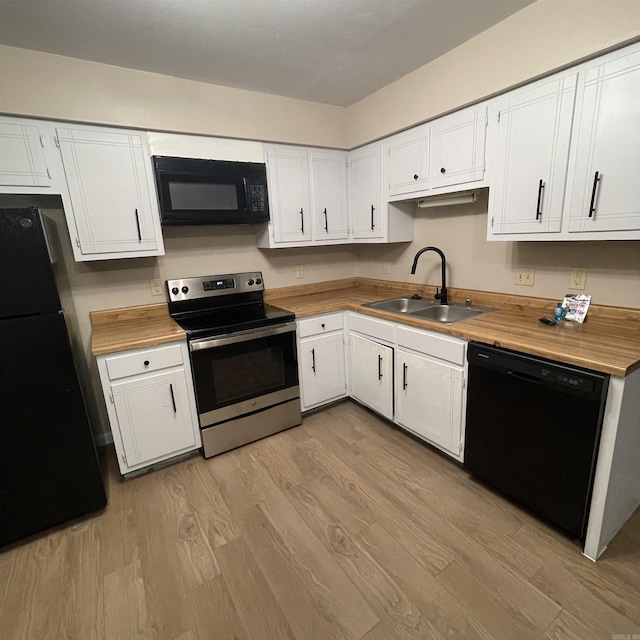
[258,281]
[250,282]
[175,291]
[185,289]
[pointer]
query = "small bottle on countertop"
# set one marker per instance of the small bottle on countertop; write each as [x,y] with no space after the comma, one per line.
[560,312]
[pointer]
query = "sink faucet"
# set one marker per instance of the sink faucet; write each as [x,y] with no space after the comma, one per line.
[442,294]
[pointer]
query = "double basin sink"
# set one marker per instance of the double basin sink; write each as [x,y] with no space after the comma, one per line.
[427,309]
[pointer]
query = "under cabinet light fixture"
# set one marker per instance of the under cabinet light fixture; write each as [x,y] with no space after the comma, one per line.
[446,200]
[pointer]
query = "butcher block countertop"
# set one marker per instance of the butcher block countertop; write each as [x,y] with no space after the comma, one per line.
[609,340]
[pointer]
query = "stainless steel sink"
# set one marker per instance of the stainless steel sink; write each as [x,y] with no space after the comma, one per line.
[427,309]
[401,305]
[447,313]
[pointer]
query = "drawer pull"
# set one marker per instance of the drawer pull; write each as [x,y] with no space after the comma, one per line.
[322,325]
[146,363]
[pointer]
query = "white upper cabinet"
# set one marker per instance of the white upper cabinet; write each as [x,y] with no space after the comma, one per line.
[406,158]
[458,148]
[566,155]
[372,218]
[307,197]
[289,196]
[114,211]
[22,155]
[533,132]
[365,191]
[604,193]
[329,186]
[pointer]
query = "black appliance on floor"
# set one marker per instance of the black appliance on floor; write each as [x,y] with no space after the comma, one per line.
[49,469]
[243,358]
[533,431]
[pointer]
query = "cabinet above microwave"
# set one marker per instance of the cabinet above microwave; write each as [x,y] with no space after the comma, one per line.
[205,192]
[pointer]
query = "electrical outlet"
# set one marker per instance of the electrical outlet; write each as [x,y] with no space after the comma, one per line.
[299,271]
[386,268]
[524,276]
[577,278]
[156,287]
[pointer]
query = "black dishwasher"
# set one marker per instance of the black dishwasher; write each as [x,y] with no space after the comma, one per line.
[533,429]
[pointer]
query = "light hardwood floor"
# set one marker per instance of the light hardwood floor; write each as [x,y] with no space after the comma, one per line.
[342,528]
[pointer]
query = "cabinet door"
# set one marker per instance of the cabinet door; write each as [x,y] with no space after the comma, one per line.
[110,186]
[322,371]
[367,214]
[22,158]
[457,148]
[329,180]
[371,374]
[407,158]
[289,197]
[154,417]
[534,131]
[605,194]
[429,399]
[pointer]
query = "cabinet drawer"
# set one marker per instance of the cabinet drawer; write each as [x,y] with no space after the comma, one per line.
[433,344]
[319,324]
[132,363]
[372,327]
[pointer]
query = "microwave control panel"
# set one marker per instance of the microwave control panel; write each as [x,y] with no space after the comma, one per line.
[257,197]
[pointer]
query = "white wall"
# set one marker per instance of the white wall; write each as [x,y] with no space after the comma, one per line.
[61,88]
[540,38]
[613,268]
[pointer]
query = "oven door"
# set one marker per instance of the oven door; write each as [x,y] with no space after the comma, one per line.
[244,372]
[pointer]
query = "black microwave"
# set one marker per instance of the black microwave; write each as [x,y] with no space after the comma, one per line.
[193,191]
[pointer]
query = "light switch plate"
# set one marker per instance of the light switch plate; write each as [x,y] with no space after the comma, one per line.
[299,271]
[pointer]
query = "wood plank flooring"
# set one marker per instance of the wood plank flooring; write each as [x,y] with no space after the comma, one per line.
[343,528]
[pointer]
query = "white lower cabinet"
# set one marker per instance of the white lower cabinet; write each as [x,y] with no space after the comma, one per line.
[151,404]
[430,383]
[371,374]
[429,399]
[321,361]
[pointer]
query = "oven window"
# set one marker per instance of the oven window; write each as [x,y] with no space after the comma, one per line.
[203,196]
[237,372]
[248,374]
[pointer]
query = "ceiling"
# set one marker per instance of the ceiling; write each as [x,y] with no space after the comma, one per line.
[330,51]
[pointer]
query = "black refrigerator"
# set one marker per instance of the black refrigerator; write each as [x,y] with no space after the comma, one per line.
[49,468]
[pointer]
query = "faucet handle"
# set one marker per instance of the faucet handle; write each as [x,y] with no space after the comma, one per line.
[468,302]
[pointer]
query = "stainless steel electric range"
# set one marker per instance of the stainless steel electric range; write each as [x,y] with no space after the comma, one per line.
[243,357]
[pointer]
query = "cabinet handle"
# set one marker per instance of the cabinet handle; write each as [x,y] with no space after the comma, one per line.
[138,226]
[379,367]
[146,363]
[592,207]
[322,325]
[538,210]
[415,176]
[173,398]
[372,223]
[313,360]
[301,220]
[326,222]
[443,170]
[404,376]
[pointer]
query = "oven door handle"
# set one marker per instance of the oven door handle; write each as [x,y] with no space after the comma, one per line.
[241,336]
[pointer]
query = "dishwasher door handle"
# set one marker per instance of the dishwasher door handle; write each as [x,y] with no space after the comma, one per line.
[524,376]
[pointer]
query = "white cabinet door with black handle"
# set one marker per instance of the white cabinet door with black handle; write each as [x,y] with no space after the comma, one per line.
[371,374]
[150,403]
[429,399]
[322,370]
[115,210]
[604,193]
